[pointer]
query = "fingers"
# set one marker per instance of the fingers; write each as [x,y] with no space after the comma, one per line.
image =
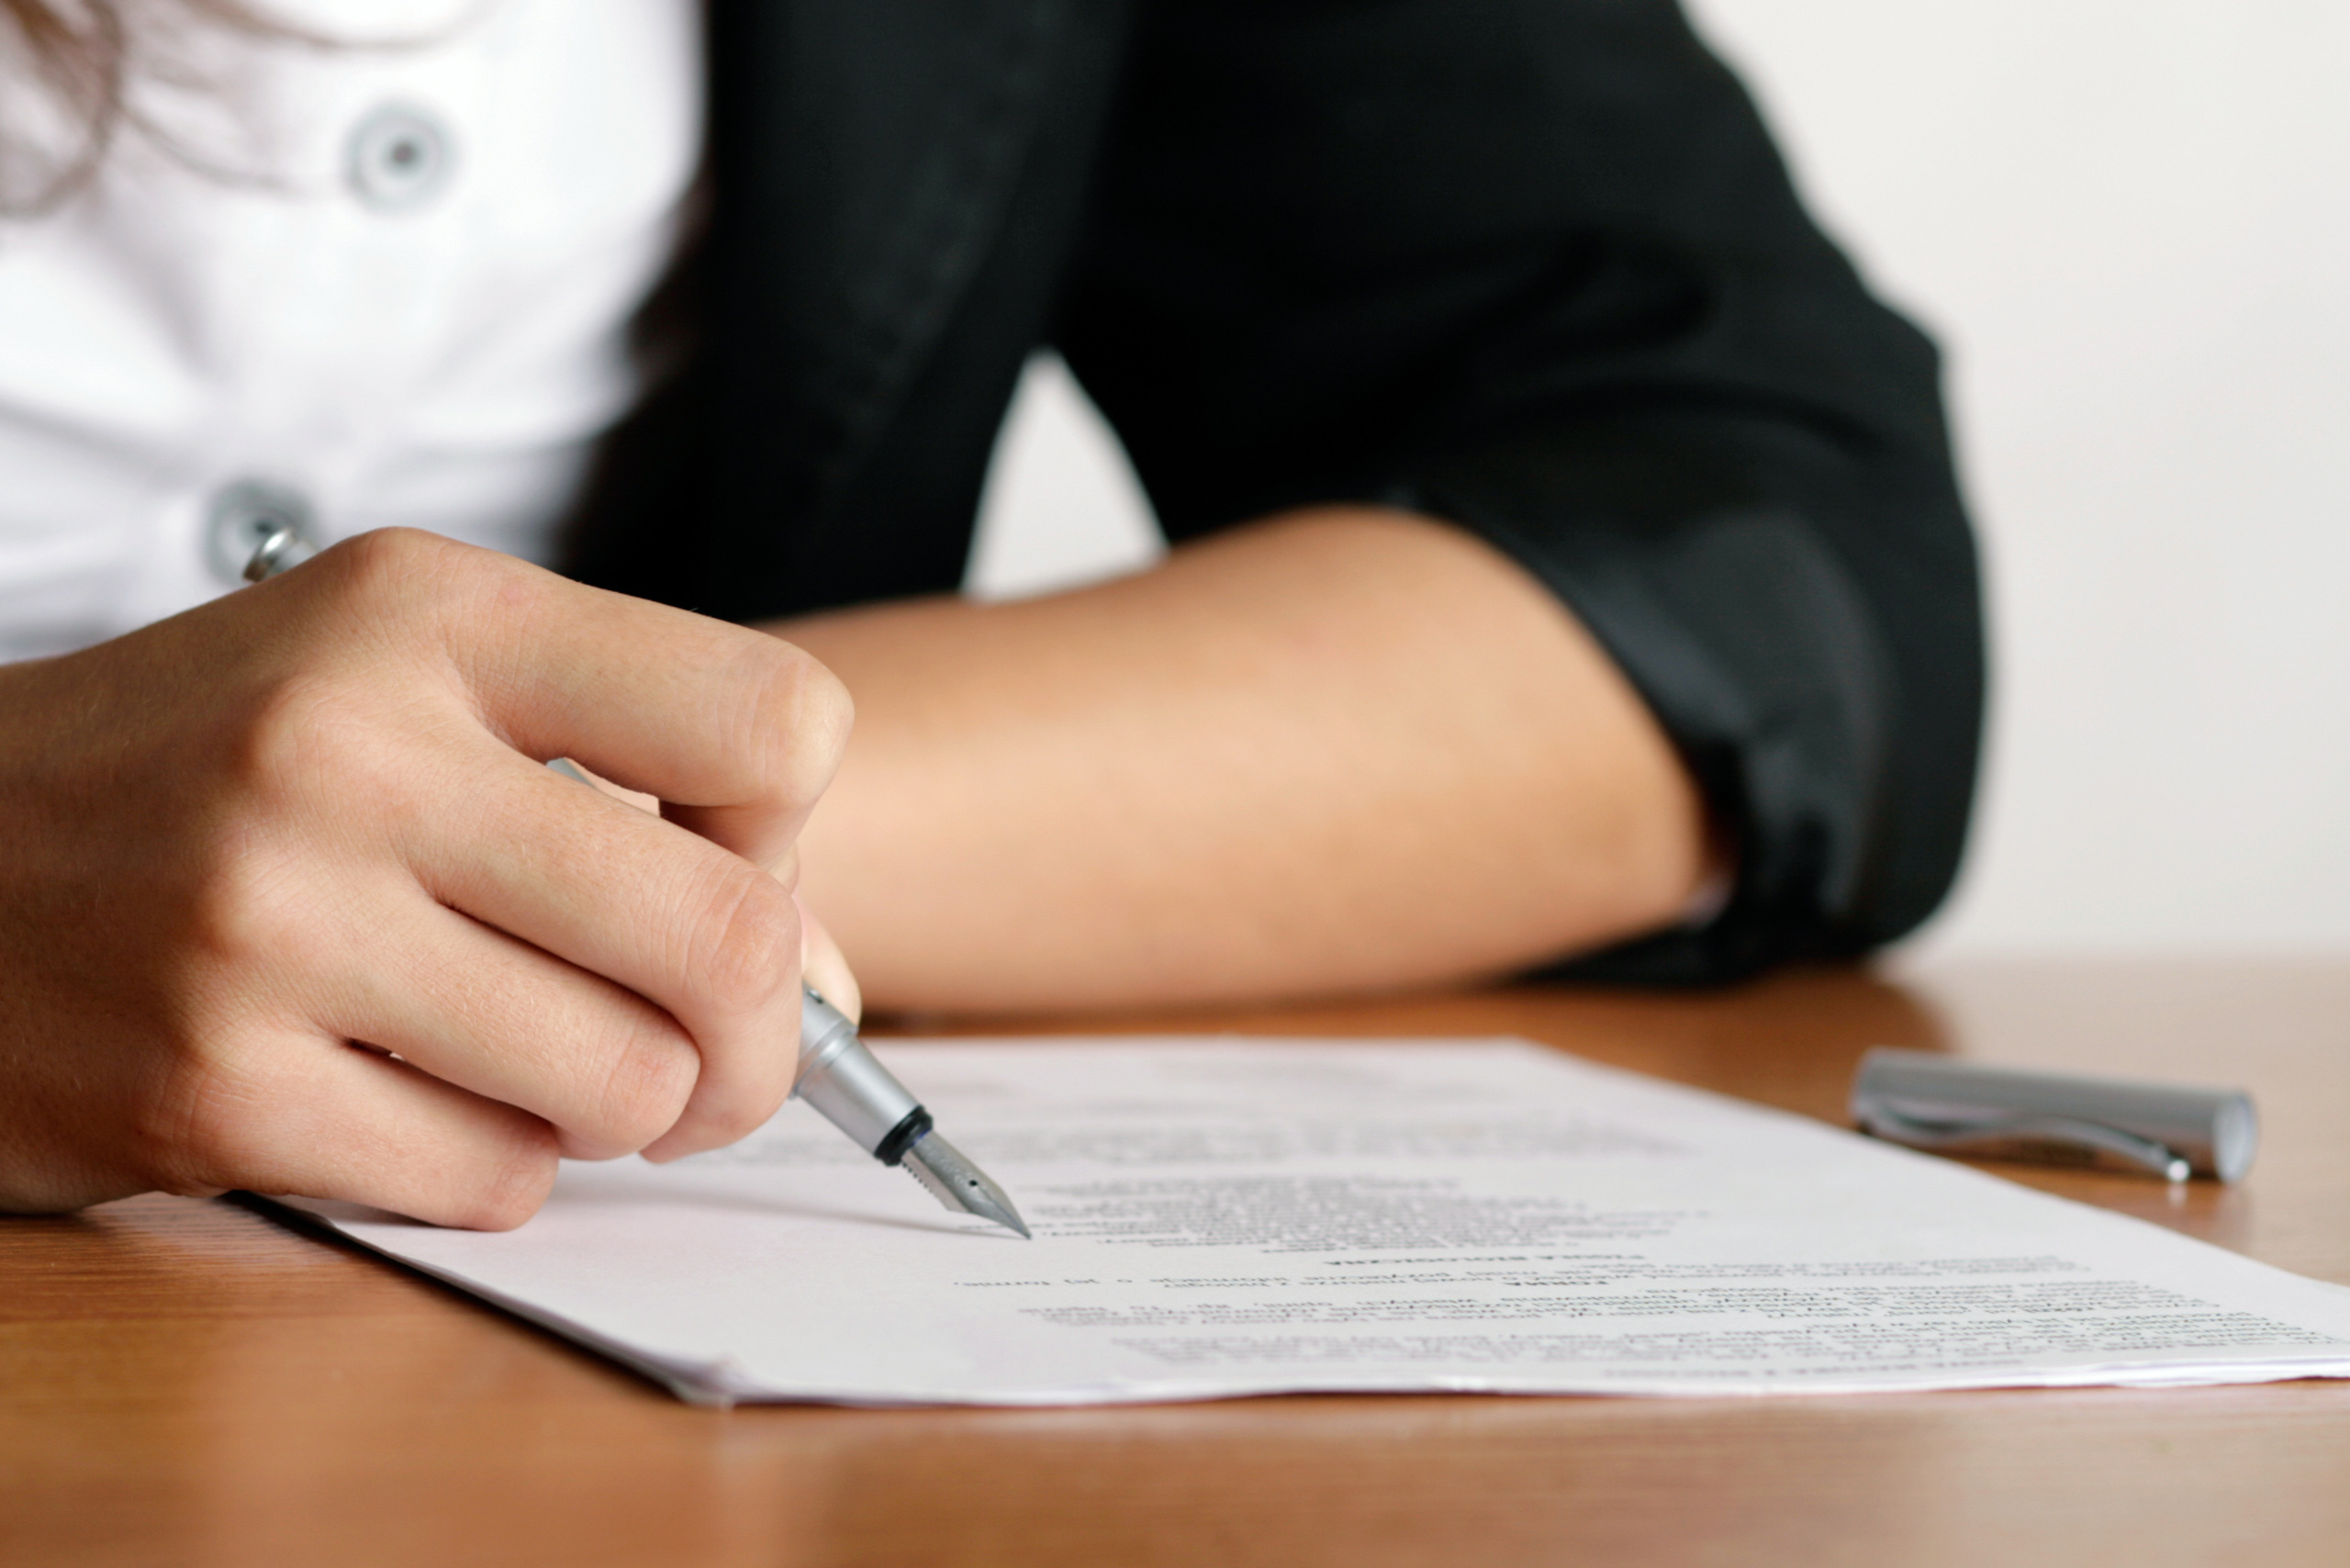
[263,797]
[702,934]
[349,1124]
[736,730]
[477,1008]
[823,967]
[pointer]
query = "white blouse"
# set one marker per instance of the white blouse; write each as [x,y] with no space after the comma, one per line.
[401,298]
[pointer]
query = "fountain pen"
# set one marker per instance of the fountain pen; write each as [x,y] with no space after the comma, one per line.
[838,1076]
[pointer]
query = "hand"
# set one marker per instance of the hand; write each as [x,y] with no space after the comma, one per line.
[821,962]
[288,901]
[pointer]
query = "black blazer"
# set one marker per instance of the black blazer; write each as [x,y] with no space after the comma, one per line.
[1530,265]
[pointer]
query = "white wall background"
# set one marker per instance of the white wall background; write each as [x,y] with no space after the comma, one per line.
[2129,223]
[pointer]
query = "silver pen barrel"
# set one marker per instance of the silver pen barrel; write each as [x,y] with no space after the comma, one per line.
[841,1080]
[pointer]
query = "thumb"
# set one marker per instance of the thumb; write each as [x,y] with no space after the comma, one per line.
[824,967]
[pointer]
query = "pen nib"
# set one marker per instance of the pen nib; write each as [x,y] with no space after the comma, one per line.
[962,1186]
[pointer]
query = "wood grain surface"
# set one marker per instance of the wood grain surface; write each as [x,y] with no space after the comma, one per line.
[184,1382]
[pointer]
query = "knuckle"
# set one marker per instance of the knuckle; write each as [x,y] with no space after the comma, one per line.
[316,752]
[383,561]
[406,577]
[195,1133]
[746,948]
[293,738]
[243,912]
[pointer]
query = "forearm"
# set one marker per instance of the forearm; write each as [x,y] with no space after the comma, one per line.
[1340,750]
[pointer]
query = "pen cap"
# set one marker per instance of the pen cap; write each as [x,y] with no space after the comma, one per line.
[1932,1100]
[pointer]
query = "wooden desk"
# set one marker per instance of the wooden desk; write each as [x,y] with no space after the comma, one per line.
[182,1383]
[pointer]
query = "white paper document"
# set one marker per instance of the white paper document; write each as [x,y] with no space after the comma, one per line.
[1230,1217]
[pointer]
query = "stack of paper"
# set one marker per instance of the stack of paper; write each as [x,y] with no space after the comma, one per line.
[1234,1217]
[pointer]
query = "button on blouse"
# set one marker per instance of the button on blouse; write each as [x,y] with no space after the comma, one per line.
[399,158]
[406,303]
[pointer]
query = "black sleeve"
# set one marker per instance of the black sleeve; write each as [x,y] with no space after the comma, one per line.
[1533,267]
